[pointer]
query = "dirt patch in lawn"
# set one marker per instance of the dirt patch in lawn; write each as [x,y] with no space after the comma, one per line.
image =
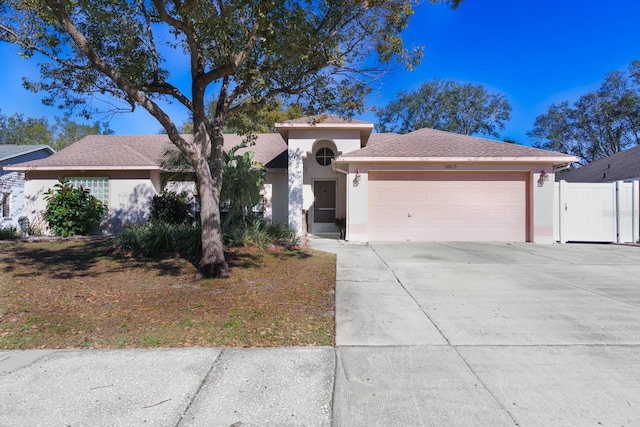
[77,295]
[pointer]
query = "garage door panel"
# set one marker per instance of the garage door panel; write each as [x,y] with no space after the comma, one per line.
[447,206]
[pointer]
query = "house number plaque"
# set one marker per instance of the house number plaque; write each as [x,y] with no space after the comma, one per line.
[450,166]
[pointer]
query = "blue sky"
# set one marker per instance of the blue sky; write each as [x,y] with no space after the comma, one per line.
[534,53]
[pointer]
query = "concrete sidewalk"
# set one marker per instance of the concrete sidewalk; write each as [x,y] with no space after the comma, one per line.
[427,335]
[167,387]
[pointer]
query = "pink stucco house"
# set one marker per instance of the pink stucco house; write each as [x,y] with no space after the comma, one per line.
[427,185]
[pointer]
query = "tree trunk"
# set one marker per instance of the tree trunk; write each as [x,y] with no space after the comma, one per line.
[213,263]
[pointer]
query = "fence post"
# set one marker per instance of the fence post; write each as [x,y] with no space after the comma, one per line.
[562,211]
[617,209]
[635,216]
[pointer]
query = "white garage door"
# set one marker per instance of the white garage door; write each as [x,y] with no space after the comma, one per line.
[456,206]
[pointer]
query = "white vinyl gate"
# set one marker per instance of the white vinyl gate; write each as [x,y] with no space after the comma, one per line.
[596,212]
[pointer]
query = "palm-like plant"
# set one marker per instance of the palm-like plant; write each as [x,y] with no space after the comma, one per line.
[242,178]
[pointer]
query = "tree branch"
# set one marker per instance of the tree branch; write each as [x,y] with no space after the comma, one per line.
[13,37]
[120,81]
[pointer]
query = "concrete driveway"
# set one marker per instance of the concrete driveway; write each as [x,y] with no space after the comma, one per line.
[488,334]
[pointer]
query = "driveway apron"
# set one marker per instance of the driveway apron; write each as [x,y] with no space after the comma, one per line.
[432,334]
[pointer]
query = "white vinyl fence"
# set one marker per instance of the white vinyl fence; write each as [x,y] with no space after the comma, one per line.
[596,212]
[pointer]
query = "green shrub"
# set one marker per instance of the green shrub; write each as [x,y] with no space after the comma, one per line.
[256,233]
[9,233]
[281,235]
[245,233]
[71,210]
[156,238]
[171,207]
[242,179]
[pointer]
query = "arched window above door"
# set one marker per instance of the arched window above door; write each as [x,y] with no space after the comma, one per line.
[324,156]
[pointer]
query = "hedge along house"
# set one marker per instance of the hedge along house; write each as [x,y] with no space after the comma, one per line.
[427,185]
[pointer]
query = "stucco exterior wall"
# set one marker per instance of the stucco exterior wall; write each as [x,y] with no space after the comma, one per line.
[130,195]
[130,198]
[304,171]
[279,199]
[543,206]
[345,140]
[34,203]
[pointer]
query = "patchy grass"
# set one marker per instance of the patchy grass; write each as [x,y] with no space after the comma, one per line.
[78,295]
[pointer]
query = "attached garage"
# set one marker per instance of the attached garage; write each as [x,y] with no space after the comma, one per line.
[430,185]
[448,206]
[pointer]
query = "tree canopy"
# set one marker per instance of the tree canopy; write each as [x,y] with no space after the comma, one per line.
[254,121]
[263,119]
[599,123]
[316,53]
[16,129]
[446,105]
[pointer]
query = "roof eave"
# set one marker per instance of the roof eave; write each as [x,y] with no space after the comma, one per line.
[322,125]
[78,168]
[554,160]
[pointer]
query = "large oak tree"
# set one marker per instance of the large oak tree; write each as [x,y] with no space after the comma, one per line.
[242,52]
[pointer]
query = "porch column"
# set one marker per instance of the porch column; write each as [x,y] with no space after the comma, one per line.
[295,189]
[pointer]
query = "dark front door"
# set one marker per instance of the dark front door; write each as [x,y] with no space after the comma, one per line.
[324,207]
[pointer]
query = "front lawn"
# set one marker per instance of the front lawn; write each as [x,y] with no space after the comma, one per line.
[77,294]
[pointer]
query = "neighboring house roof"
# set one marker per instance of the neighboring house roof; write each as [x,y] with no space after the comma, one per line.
[436,145]
[10,151]
[143,152]
[621,166]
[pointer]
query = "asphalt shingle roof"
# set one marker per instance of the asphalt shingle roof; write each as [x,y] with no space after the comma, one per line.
[147,151]
[432,143]
[621,166]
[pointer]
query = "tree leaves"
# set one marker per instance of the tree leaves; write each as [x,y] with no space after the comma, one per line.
[17,129]
[242,180]
[599,123]
[446,105]
[314,53]
[72,211]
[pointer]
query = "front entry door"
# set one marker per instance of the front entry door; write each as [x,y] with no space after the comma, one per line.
[324,207]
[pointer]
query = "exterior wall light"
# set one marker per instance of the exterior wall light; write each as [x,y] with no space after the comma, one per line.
[544,176]
[356,179]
